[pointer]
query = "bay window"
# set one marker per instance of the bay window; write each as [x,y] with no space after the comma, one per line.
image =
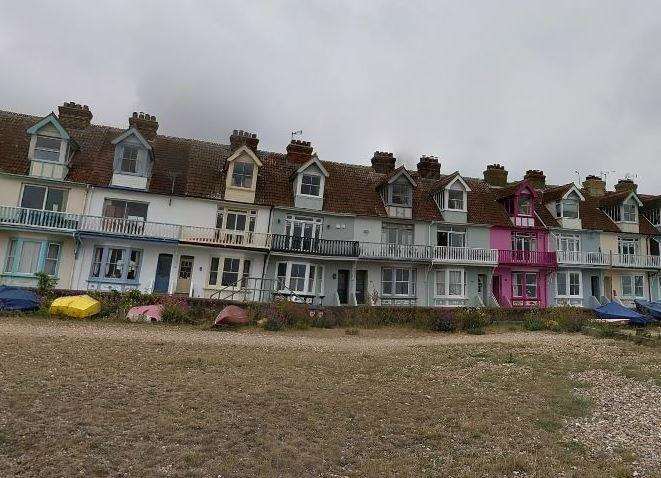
[115,264]
[27,257]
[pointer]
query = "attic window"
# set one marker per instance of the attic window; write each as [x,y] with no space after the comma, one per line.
[629,212]
[567,208]
[47,149]
[400,194]
[456,199]
[525,206]
[129,162]
[310,184]
[242,174]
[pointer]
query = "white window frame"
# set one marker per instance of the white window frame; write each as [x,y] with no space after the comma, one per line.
[408,197]
[218,273]
[320,186]
[451,232]
[252,176]
[631,278]
[104,262]
[560,208]
[627,242]
[312,285]
[222,219]
[519,239]
[445,275]
[65,195]
[456,186]
[567,275]
[292,221]
[633,209]
[135,161]
[37,148]
[565,240]
[531,203]
[411,283]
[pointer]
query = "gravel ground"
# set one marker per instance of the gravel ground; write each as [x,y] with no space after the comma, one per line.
[328,340]
[626,412]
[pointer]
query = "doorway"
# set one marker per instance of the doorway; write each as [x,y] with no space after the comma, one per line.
[594,287]
[495,287]
[482,288]
[608,287]
[185,273]
[361,287]
[163,268]
[343,285]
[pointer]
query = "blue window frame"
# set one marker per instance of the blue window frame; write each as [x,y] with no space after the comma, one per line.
[25,257]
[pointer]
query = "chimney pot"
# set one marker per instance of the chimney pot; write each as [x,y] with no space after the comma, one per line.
[495,175]
[383,162]
[594,185]
[145,123]
[429,167]
[626,185]
[239,138]
[536,178]
[74,116]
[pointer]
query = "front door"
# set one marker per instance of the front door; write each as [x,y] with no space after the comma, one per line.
[495,287]
[361,286]
[343,285]
[594,286]
[482,288]
[608,287]
[185,273]
[162,279]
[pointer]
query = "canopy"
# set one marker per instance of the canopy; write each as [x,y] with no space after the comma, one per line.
[15,298]
[614,311]
[79,306]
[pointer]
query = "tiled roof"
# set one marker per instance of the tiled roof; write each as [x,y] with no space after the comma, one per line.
[555,193]
[594,218]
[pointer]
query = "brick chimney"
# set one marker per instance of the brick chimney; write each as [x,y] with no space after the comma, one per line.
[429,167]
[240,137]
[594,185]
[626,185]
[74,116]
[299,152]
[536,178]
[383,162]
[145,123]
[496,175]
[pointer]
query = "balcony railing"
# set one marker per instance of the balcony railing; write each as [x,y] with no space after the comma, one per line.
[224,237]
[465,255]
[637,261]
[529,258]
[372,250]
[129,227]
[21,216]
[584,258]
[310,245]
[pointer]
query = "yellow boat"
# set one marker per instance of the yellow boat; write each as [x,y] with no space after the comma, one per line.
[79,306]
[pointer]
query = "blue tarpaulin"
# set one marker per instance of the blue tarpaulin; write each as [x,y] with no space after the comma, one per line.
[615,311]
[649,308]
[15,298]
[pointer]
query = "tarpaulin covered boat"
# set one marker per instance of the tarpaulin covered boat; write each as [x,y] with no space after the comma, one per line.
[15,298]
[653,309]
[78,306]
[232,315]
[145,313]
[614,313]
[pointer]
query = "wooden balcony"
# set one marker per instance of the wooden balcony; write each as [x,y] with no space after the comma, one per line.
[464,255]
[527,258]
[314,246]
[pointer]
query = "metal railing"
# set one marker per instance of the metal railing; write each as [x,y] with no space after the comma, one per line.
[310,245]
[584,258]
[259,289]
[533,258]
[373,250]
[465,255]
[224,237]
[21,216]
[637,261]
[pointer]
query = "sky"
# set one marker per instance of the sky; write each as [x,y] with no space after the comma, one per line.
[568,87]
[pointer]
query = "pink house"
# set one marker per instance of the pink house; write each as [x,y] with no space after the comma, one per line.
[524,259]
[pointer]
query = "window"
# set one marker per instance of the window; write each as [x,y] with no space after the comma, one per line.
[303,278]
[525,206]
[229,274]
[627,246]
[524,242]
[531,285]
[43,197]
[400,193]
[47,149]
[27,257]
[632,286]
[116,264]
[396,234]
[654,216]
[629,212]
[456,197]
[568,284]
[121,209]
[300,232]
[450,282]
[242,174]
[567,208]
[129,163]
[568,243]
[451,237]
[311,185]
[398,281]
[524,285]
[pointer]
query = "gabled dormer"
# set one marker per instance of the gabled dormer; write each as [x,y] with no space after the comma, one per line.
[623,206]
[451,197]
[519,201]
[309,182]
[652,210]
[396,191]
[133,160]
[50,148]
[242,168]
[564,202]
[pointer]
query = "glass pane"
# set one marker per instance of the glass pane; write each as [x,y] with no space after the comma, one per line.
[574,284]
[440,283]
[562,283]
[9,266]
[134,265]
[213,271]
[47,149]
[33,197]
[96,262]
[29,257]
[55,200]
[136,210]
[115,265]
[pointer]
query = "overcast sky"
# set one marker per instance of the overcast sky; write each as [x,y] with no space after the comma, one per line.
[553,85]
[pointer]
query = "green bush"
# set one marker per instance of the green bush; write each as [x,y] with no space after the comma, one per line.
[45,285]
[533,320]
[472,320]
[175,310]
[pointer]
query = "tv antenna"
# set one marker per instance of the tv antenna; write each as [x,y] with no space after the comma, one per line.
[296,133]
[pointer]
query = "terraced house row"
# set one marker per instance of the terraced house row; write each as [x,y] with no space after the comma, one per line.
[100,207]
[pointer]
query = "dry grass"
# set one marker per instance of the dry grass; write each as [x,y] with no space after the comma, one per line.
[139,400]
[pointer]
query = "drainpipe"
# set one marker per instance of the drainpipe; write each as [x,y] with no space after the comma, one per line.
[266,259]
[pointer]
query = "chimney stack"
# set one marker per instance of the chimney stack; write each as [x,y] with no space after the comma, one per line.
[536,178]
[299,152]
[594,185]
[626,185]
[429,167]
[145,123]
[74,116]
[383,162]
[496,175]
[240,137]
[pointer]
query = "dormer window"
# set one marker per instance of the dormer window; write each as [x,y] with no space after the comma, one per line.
[242,174]
[567,208]
[629,212]
[133,162]
[311,185]
[456,199]
[525,206]
[129,163]
[400,194]
[47,149]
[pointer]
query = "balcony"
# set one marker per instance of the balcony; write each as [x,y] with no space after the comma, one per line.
[223,237]
[39,218]
[637,261]
[130,228]
[583,258]
[527,258]
[310,245]
[414,252]
[465,255]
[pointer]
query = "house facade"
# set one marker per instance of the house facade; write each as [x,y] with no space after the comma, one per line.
[108,208]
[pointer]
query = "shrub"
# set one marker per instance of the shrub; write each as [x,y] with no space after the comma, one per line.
[45,285]
[472,320]
[175,310]
[533,321]
[568,319]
